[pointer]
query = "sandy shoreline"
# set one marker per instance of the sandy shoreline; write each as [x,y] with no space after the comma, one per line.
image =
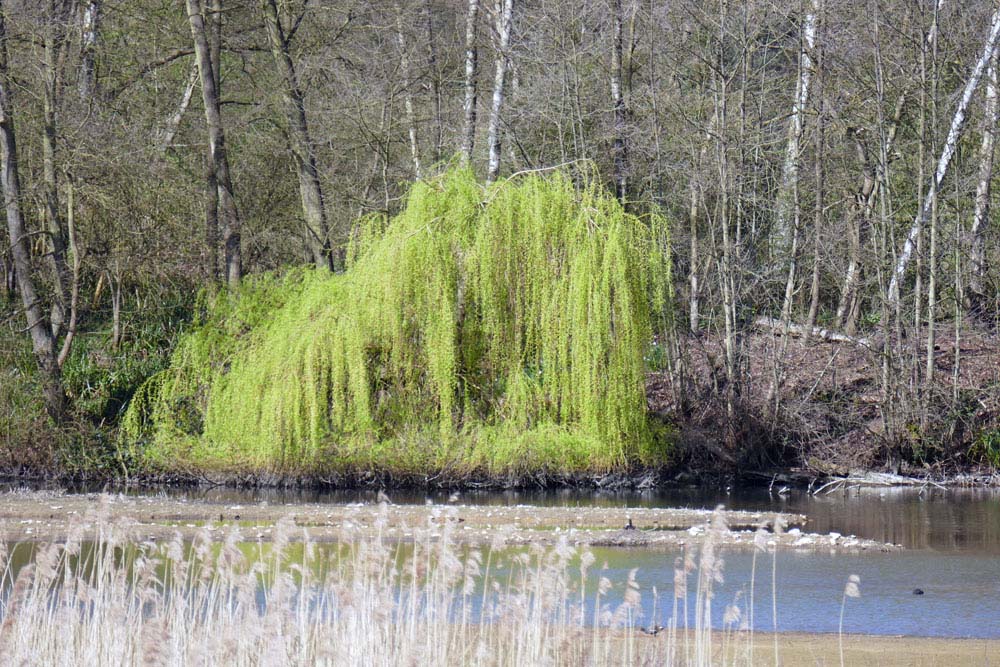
[886,651]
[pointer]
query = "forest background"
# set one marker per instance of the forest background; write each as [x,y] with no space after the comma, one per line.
[825,167]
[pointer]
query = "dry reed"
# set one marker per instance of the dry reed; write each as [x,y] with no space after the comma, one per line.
[109,598]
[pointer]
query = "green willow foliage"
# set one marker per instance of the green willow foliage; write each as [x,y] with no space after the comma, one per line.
[497,330]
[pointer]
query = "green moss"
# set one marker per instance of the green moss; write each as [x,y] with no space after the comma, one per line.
[497,330]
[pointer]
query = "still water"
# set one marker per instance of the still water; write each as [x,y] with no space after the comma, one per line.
[951,539]
[935,519]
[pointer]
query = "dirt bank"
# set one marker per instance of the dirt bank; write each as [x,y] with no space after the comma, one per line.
[38,515]
[828,396]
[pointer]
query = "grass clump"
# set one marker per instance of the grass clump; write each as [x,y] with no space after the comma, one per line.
[495,330]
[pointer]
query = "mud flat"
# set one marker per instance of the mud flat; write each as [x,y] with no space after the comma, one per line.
[44,516]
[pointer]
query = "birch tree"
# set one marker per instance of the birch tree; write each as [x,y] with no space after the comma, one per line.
[404,65]
[947,153]
[976,290]
[788,194]
[790,167]
[89,32]
[504,10]
[471,67]
[820,176]
[173,122]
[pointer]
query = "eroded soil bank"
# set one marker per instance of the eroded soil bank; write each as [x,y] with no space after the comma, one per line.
[44,516]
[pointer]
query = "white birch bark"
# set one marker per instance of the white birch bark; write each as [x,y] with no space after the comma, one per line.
[471,65]
[790,169]
[504,12]
[404,64]
[980,218]
[947,152]
[173,123]
[88,46]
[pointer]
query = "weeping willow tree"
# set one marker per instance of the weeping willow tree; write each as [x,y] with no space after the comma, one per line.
[496,330]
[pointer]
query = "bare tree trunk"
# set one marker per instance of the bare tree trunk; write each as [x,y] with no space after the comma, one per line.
[504,12]
[435,73]
[6,272]
[42,340]
[310,189]
[956,367]
[53,43]
[411,122]
[618,102]
[174,122]
[74,299]
[91,25]
[927,46]
[8,279]
[214,27]
[217,144]
[116,308]
[915,370]
[848,304]
[975,289]
[932,254]
[790,174]
[947,152]
[790,170]
[212,240]
[729,252]
[471,66]
[819,175]
[860,220]
[213,193]
[890,314]
[694,316]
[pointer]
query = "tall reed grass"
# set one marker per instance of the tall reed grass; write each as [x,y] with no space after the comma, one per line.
[104,596]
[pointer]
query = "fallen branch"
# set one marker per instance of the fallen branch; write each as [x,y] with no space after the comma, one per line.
[800,330]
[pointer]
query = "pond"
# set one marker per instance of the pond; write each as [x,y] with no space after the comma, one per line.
[951,539]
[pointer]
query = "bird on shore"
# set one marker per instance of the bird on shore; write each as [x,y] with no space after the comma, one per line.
[629,525]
